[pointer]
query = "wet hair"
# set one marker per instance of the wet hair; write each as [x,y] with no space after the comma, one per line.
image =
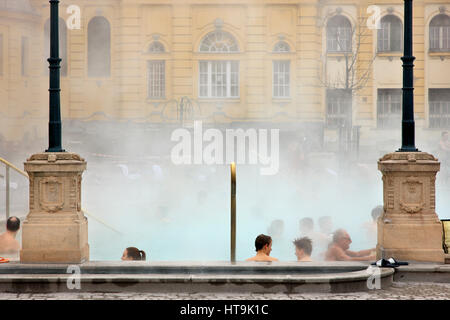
[261,241]
[376,212]
[135,253]
[304,244]
[13,224]
[338,234]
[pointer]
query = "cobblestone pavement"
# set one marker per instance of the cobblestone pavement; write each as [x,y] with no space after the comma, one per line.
[398,291]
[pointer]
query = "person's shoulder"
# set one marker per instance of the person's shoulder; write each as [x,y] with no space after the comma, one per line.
[273,259]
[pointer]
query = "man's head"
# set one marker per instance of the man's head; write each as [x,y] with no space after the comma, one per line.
[303,247]
[306,225]
[13,224]
[342,239]
[376,212]
[263,243]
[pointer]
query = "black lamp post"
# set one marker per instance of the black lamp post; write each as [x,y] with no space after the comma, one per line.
[408,127]
[54,126]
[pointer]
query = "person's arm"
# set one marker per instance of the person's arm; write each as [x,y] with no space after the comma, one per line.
[342,255]
[361,253]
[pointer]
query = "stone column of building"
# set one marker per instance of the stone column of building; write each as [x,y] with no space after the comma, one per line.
[182,41]
[258,101]
[79,103]
[131,98]
[309,50]
[419,64]
[362,107]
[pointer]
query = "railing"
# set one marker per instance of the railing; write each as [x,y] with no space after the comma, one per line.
[9,166]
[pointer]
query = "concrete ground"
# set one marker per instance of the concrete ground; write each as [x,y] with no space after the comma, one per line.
[398,291]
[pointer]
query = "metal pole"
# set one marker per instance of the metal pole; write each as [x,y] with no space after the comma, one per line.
[7,192]
[408,126]
[54,126]
[233,212]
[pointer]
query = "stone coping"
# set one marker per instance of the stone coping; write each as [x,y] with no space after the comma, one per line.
[194,276]
[186,267]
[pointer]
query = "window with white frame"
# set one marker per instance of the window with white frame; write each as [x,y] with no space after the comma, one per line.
[219,41]
[156,71]
[281,79]
[439,103]
[339,107]
[339,34]
[219,79]
[389,108]
[390,34]
[440,33]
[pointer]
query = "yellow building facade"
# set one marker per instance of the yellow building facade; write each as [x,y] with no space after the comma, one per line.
[237,61]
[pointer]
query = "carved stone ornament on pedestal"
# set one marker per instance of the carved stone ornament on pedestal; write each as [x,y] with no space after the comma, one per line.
[409,228]
[55,229]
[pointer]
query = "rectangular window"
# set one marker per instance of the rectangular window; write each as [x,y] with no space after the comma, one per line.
[281,79]
[339,107]
[218,79]
[1,55]
[156,79]
[440,38]
[25,56]
[389,108]
[439,103]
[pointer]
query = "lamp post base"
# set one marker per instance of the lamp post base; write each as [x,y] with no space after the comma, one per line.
[55,230]
[409,228]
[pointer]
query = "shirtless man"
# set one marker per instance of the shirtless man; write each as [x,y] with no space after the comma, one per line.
[338,249]
[8,242]
[263,245]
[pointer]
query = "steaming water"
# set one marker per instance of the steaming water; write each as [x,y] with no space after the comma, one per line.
[183,212]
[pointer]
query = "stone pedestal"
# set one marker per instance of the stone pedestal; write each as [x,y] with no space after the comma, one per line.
[55,230]
[409,229]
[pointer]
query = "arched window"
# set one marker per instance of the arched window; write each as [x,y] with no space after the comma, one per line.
[99,47]
[339,34]
[62,45]
[281,47]
[440,33]
[390,35]
[156,47]
[219,41]
[218,78]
